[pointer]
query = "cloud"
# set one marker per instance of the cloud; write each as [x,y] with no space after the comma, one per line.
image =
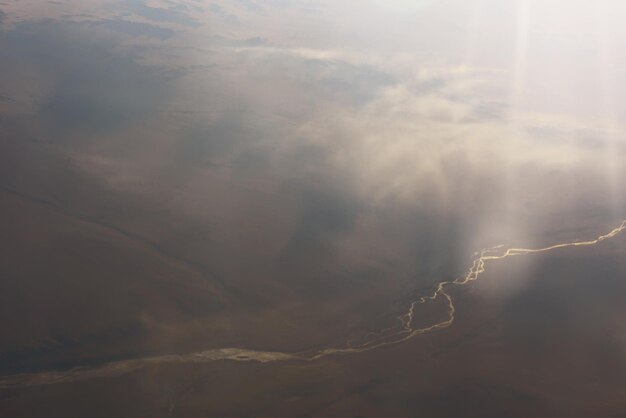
[353,142]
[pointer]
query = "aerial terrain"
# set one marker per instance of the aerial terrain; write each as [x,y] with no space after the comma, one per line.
[312,208]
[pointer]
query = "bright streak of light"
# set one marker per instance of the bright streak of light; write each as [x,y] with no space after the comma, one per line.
[607,81]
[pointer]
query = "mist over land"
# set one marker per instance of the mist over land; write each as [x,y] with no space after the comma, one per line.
[223,208]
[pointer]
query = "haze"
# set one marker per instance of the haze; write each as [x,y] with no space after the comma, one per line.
[267,208]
